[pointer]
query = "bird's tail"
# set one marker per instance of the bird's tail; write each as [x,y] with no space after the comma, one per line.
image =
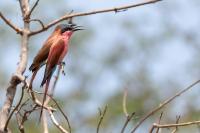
[44,98]
[32,78]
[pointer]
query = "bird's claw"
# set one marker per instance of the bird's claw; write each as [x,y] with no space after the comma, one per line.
[62,68]
[63,63]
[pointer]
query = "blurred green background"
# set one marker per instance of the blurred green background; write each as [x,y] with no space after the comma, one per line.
[152,51]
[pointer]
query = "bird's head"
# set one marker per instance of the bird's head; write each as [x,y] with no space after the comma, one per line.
[68,29]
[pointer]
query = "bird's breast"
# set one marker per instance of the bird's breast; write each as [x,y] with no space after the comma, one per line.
[65,50]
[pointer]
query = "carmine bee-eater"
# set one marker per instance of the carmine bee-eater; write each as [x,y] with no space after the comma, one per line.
[52,53]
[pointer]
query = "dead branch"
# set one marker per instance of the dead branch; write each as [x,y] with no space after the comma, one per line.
[72,15]
[163,104]
[9,23]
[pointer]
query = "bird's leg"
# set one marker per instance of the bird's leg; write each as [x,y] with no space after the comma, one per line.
[62,64]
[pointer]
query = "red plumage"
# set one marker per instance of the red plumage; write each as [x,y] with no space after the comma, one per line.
[52,52]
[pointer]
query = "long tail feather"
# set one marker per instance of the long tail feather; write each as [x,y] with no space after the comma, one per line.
[32,78]
[44,98]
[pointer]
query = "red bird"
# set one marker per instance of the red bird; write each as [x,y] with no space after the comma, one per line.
[52,53]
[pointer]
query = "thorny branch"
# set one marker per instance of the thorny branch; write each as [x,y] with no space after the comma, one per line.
[72,15]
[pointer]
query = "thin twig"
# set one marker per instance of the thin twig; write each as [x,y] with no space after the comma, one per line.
[177,120]
[59,108]
[101,117]
[20,4]
[159,121]
[37,20]
[162,105]
[62,112]
[14,27]
[128,118]
[56,123]
[32,9]
[176,125]
[72,15]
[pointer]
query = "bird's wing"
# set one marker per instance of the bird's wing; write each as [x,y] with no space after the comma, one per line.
[42,55]
[53,59]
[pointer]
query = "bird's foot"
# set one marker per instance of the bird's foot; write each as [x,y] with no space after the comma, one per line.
[62,68]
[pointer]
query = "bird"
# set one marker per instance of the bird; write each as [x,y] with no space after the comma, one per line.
[52,54]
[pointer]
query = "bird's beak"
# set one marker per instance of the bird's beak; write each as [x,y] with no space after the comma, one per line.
[76,28]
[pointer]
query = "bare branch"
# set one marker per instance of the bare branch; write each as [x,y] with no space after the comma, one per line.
[128,118]
[52,109]
[72,15]
[56,123]
[177,120]
[32,9]
[44,121]
[37,20]
[163,104]
[101,117]
[62,112]
[176,125]
[14,27]
[159,121]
